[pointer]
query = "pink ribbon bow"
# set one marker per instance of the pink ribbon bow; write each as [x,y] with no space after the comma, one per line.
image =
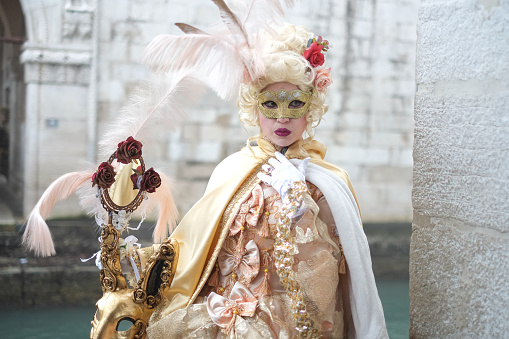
[247,264]
[249,211]
[224,311]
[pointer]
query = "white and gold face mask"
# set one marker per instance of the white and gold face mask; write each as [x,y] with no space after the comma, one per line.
[284,104]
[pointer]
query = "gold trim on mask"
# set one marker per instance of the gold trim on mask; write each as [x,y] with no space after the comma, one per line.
[274,105]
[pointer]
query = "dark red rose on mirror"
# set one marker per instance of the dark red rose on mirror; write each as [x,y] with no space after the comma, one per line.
[150,181]
[104,177]
[314,55]
[128,150]
[135,177]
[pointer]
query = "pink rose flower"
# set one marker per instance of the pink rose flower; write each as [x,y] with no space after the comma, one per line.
[323,79]
[314,55]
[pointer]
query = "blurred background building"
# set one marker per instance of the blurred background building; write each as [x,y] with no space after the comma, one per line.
[69,65]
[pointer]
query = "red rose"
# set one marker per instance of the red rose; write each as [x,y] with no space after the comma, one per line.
[314,55]
[104,177]
[128,150]
[151,180]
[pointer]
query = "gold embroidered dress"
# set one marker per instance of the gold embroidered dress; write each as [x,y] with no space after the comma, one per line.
[226,285]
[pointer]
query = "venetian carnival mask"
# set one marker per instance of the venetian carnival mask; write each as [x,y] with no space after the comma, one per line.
[123,307]
[284,104]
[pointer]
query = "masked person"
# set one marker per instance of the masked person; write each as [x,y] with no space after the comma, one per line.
[251,264]
[275,247]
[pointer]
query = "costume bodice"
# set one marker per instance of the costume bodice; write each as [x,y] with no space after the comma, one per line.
[246,260]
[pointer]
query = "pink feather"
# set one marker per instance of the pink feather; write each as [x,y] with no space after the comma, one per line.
[37,236]
[212,57]
[168,213]
[224,57]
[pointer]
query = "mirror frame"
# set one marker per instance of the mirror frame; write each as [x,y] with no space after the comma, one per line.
[110,206]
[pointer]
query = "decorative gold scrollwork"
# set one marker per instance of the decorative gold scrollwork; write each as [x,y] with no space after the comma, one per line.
[167,258]
[111,275]
[142,329]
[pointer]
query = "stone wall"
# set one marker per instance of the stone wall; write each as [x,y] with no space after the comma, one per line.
[58,62]
[368,129]
[459,247]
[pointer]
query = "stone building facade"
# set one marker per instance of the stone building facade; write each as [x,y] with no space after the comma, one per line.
[81,58]
[459,257]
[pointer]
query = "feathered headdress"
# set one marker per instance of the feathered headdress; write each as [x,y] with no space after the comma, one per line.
[231,53]
[228,55]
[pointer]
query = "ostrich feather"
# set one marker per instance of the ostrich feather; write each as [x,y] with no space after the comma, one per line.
[188,29]
[222,58]
[251,16]
[90,203]
[37,236]
[259,15]
[161,100]
[232,22]
[241,38]
[168,213]
[212,58]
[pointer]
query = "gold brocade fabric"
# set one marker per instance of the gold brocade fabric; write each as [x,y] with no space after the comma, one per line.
[228,237]
[194,322]
[246,257]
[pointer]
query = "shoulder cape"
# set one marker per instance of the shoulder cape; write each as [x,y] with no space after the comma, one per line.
[199,232]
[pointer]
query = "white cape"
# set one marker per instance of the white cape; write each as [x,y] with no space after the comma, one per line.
[367,311]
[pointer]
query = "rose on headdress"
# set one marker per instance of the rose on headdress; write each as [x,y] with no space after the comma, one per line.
[150,181]
[323,79]
[314,55]
[128,150]
[104,177]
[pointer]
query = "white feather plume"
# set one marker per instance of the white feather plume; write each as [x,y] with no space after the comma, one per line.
[211,57]
[259,15]
[161,100]
[224,57]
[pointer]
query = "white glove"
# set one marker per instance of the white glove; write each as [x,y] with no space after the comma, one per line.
[282,173]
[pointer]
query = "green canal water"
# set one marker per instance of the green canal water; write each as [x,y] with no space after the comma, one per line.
[74,322]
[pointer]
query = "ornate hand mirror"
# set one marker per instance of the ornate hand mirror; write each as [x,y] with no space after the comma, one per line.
[124,182]
[123,185]
[122,195]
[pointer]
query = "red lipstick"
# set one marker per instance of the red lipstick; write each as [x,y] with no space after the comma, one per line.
[282,132]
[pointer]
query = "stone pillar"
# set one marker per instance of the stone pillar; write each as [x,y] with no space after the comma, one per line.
[56,58]
[459,257]
[12,98]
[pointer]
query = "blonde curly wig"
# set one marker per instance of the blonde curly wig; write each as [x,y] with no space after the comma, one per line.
[284,62]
